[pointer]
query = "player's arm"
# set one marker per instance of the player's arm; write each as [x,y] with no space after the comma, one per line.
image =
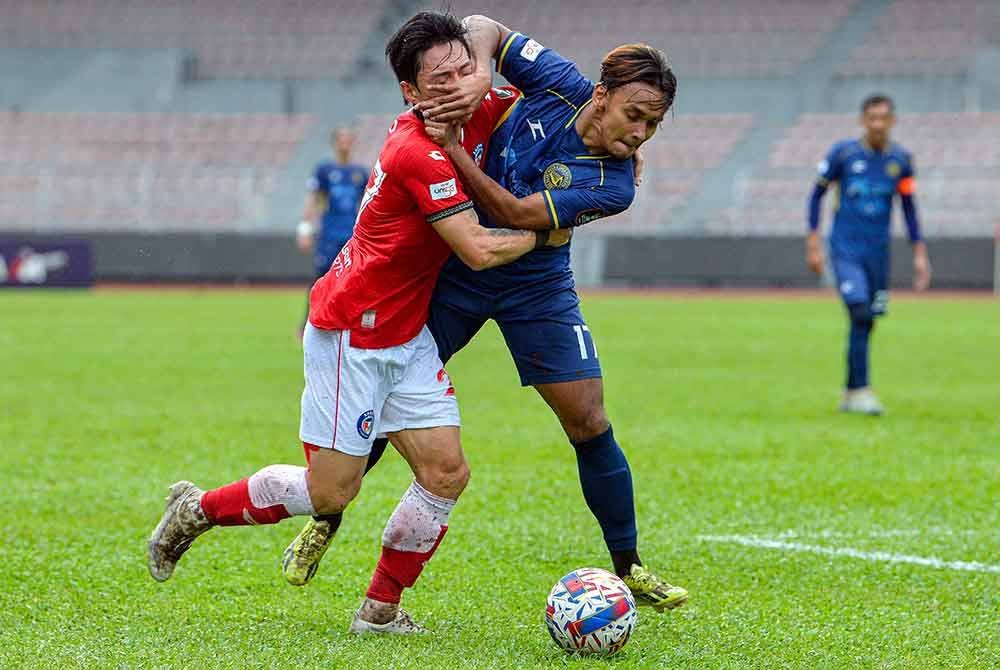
[314,208]
[828,171]
[921,260]
[524,62]
[431,181]
[482,248]
[544,210]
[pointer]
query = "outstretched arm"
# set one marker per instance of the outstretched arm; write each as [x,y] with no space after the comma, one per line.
[481,248]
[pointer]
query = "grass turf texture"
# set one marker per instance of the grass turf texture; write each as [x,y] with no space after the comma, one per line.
[724,407]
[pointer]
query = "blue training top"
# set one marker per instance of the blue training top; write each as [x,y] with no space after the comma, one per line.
[536,148]
[868,181]
[342,186]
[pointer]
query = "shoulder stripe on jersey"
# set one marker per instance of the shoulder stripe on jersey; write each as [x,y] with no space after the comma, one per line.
[561,97]
[589,157]
[503,51]
[552,208]
[580,109]
[601,163]
[507,113]
[449,211]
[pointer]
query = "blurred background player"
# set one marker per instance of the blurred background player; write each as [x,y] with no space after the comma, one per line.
[869,172]
[335,191]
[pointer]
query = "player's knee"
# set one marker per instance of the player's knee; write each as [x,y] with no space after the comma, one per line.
[861,315]
[586,424]
[446,478]
[332,497]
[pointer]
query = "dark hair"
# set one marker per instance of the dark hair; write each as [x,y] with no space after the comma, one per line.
[423,31]
[877,99]
[632,63]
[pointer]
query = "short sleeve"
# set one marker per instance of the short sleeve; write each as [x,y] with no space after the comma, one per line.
[433,184]
[319,181]
[578,206]
[532,67]
[829,169]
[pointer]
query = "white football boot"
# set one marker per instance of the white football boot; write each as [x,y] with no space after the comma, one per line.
[403,624]
[861,401]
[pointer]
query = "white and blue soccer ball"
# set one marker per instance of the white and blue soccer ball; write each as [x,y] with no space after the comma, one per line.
[590,611]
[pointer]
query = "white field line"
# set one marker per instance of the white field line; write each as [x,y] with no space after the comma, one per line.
[882,556]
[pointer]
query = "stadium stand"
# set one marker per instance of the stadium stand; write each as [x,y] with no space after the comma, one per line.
[125,171]
[228,38]
[925,37]
[701,38]
[958,165]
[89,144]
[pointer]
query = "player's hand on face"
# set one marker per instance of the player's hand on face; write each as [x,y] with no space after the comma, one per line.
[814,254]
[444,134]
[639,164]
[558,238]
[457,102]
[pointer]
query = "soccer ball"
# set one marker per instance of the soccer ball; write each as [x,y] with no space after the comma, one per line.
[590,611]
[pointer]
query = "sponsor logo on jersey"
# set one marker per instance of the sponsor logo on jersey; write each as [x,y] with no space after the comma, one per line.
[588,215]
[444,190]
[436,155]
[335,176]
[557,176]
[536,129]
[858,166]
[531,50]
[893,169]
[477,154]
[365,424]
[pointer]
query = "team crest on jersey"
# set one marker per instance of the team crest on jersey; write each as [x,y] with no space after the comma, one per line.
[357,178]
[858,166]
[588,215]
[893,169]
[365,424]
[477,154]
[557,176]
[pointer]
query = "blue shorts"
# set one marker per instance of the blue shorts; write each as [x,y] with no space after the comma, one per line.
[863,279]
[545,332]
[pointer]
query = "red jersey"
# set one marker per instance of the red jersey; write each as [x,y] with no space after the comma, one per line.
[380,285]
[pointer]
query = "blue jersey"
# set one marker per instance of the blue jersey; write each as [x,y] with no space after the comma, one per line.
[342,186]
[868,181]
[536,148]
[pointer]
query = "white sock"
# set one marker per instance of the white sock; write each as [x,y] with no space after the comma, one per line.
[281,485]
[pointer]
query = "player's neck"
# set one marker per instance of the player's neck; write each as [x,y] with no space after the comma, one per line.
[341,159]
[876,147]
[589,130]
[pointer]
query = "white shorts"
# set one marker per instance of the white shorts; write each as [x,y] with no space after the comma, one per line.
[354,395]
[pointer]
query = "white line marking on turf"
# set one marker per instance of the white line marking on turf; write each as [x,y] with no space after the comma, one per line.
[884,556]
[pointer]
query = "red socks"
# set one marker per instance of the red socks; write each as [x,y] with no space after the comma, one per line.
[230,505]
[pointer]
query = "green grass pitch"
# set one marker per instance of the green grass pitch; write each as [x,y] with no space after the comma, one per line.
[725,407]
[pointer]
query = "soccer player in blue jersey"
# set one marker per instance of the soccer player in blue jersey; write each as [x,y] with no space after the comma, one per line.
[563,157]
[335,189]
[870,173]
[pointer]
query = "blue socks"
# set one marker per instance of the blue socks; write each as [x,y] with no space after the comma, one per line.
[607,487]
[857,346]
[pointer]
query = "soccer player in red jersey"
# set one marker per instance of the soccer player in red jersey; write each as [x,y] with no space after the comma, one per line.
[371,365]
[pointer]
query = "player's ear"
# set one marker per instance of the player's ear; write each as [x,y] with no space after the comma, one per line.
[600,98]
[410,93]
